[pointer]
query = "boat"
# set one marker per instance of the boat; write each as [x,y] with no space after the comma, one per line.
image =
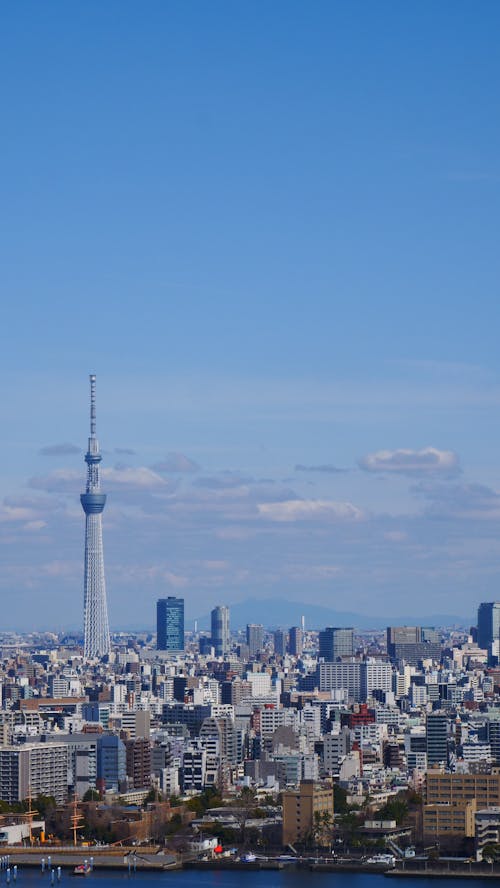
[382,860]
[82,869]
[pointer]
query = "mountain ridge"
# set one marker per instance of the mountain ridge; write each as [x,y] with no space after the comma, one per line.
[281,613]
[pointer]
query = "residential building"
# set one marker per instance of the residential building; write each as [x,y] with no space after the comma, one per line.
[487,829]
[36,769]
[138,762]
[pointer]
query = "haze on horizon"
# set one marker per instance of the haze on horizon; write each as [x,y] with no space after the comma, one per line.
[272,232]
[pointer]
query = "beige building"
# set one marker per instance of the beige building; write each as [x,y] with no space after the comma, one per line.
[452,821]
[307,812]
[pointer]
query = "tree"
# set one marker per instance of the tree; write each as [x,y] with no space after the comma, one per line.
[44,804]
[243,807]
[395,809]
[92,795]
[340,805]
[491,851]
[321,831]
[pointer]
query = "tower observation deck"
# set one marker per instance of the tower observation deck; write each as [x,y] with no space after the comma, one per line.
[96,641]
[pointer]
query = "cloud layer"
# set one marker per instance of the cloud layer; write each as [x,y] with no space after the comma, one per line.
[65,449]
[428,461]
[325,469]
[309,510]
[227,534]
[176,463]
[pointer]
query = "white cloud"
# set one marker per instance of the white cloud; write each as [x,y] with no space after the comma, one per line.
[131,477]
[427,461]
[126,477]
[35,525]
[17,513]
[306,510]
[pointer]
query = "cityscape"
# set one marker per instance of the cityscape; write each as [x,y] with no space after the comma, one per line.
[372,747]
[250,473]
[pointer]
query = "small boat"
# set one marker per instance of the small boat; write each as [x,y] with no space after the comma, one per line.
[82,869]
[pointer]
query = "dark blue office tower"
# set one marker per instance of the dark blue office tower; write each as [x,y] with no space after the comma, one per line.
[170,624]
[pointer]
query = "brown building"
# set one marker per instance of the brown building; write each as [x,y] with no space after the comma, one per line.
[138,762]
[308,812]
[449,789]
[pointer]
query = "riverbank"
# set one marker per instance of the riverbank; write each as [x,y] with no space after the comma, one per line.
[134,860]
[124,859]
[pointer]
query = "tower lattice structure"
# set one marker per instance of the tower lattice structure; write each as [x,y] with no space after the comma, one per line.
[96,641]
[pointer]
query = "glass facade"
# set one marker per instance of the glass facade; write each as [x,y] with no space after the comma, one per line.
[170,624]
[220,630]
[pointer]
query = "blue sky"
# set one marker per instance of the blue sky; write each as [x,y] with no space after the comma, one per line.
[271,230]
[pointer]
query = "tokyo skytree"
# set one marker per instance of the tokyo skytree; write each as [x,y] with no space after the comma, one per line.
[95,609]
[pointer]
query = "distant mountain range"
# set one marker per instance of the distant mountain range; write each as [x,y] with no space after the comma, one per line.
[278,612]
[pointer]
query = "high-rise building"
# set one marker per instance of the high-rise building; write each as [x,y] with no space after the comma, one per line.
[488,625]
[111,762]
[220,630]
[336,642]
[255,638]
[437,738]
[280,639]
[170,624]
[96,642]
[296,641]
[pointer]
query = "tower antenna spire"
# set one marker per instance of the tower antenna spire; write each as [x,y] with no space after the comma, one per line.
[92,406]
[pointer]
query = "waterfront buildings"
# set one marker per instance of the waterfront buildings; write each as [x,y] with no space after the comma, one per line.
[182,720]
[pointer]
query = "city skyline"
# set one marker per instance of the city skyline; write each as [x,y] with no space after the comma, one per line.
[291,267]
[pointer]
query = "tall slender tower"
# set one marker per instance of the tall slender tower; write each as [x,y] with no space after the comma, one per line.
[95,609]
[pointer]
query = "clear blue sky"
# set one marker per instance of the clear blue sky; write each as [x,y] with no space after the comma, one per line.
[272,230]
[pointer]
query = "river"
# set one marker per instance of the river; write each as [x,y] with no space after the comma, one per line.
[286,878]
